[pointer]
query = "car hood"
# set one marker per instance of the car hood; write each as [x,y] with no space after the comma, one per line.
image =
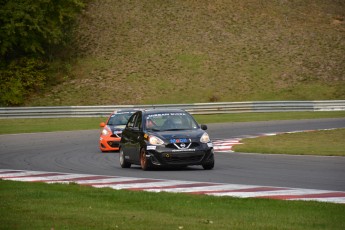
[179,134]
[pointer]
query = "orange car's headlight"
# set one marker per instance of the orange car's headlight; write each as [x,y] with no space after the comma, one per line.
[105,131]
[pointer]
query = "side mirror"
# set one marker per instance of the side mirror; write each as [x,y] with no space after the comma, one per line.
[102,124]
[203,127]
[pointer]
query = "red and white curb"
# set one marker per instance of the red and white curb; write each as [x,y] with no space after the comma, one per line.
[176,186]
[225,145]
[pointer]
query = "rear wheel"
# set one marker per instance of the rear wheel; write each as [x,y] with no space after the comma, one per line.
[144,162]
[123,162]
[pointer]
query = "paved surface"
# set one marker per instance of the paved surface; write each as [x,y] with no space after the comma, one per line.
[77,153]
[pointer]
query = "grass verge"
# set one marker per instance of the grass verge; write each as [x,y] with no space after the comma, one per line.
[57,206]
[10,126]
[158,52]
[322,143]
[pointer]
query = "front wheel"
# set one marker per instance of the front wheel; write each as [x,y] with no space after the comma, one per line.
[208,165]
[144,162]
[123,162]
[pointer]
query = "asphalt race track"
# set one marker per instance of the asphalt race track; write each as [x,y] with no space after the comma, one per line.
[77,152]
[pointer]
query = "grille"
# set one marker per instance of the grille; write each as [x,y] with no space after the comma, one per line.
[113,144]
[192,146]
[185,158]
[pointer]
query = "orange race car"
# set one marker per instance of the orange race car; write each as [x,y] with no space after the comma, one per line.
[111,134]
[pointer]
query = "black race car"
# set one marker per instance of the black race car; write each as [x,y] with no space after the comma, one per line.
[159,137]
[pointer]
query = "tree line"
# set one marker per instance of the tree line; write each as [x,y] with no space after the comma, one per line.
[31,33]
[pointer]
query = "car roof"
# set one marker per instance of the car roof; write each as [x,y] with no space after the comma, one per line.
[154,111]
[125,111]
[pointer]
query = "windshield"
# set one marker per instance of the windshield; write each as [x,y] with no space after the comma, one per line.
[119,119]
[169,121]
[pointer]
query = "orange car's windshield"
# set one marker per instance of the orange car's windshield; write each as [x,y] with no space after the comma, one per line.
[119,119]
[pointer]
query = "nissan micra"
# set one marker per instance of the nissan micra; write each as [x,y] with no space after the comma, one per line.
[158,137]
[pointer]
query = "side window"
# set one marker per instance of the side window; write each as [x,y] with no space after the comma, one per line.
[138,121]
[131,121]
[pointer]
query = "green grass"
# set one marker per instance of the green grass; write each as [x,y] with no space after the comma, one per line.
[10,126]
[158,51]
[322,143]
[56,206]
[248,117]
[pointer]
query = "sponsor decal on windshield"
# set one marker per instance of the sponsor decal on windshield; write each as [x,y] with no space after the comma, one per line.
[166,114]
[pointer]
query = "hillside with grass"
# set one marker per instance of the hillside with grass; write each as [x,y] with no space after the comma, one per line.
[159,51]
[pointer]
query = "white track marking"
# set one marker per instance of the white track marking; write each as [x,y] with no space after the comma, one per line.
[176,186]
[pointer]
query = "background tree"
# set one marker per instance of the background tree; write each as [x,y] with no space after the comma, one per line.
[30,32]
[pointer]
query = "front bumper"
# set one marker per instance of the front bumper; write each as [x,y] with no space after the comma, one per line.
[160,155]
[109,144]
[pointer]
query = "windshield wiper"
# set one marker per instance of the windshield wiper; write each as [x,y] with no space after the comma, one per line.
[155,129]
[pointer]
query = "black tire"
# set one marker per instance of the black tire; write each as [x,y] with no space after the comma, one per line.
[144,162]
[123,162]
[208,165]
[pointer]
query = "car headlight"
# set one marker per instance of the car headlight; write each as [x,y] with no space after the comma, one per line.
[153,140]
[205,138]
[105,131]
